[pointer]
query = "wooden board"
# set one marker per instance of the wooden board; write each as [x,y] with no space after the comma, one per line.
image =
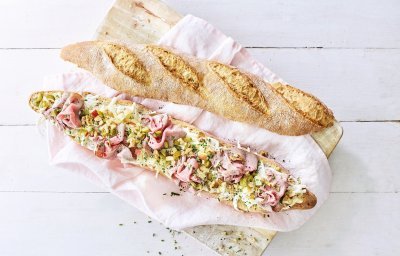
[136,21]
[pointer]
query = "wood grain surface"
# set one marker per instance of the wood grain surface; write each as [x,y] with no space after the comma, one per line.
[345,52]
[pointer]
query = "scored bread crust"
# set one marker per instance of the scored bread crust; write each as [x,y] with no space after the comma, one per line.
[309,199]
[161,73]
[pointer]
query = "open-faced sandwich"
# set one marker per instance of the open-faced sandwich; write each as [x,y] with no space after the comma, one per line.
[195,160]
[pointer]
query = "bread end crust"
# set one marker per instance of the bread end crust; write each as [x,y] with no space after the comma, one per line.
[306,104]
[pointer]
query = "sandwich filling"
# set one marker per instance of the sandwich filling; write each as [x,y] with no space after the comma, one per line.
[192,159]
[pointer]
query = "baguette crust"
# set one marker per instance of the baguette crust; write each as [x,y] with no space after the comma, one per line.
[215,87]
[309,199]
[240,86]
[177,67]
[128,63]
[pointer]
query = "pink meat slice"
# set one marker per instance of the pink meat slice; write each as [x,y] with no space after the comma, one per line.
[233,170]
[120,135]
[272,194]
[170,131]
[69,115]
[157,122]
[185,171]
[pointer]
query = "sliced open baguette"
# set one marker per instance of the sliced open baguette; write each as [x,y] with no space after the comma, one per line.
[160,73]
[179,151]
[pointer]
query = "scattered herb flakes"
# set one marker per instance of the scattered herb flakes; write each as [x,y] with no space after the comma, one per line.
[120,224]
[148,251]
[175,194]
[164,194]
[159,253]
[162,240]
[230,247]
[154,234]
[149,221]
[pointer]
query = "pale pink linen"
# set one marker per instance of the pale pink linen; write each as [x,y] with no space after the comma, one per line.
[141,189]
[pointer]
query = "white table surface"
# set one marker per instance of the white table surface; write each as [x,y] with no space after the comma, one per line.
[347,52]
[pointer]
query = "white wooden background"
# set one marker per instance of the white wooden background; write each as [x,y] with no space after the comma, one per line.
[347,52]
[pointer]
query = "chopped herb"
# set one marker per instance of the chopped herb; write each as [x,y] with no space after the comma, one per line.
[230,247]
[175,194]
[149,221]
[154,234]
[162,240]
[120,224]
[164,194]
[159,253]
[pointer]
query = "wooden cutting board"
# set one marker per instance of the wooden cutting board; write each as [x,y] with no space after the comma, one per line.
[136,21]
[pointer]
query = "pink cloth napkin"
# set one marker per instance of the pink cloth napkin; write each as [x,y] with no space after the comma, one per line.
[140,188]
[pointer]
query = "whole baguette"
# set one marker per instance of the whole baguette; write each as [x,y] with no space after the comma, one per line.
[309,199]
[154,72]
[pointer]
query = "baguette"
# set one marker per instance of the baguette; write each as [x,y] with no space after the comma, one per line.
[195,160]
[154,72]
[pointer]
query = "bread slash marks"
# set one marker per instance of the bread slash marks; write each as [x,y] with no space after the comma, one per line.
[127,62]
[306,104]
[177,67]
[241,86]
